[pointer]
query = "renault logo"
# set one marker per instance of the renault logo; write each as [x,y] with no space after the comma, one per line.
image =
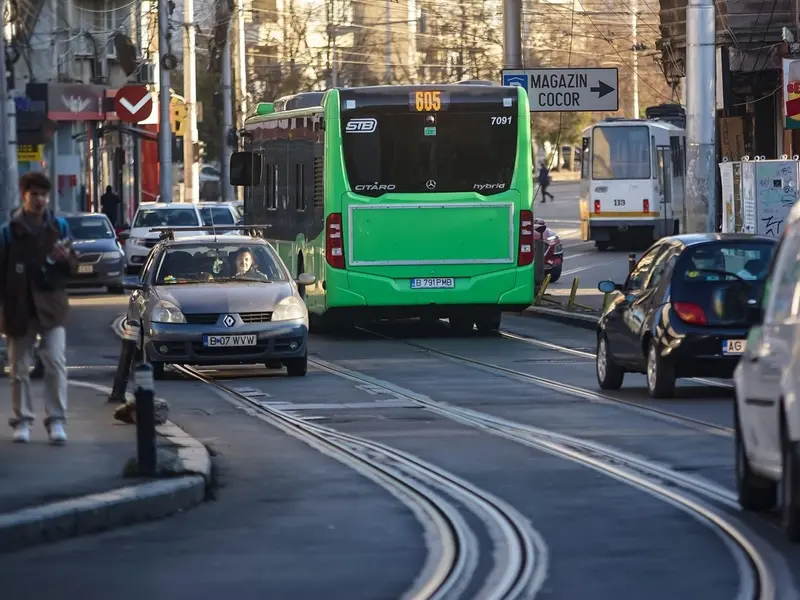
[229,320]
[430,184]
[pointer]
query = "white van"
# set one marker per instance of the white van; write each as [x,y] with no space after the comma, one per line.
[142,238]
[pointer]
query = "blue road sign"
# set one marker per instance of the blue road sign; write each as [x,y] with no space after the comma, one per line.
[516,79]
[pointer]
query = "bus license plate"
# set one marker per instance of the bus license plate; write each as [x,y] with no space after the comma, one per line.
[226,341]
[433,283]
[733,346]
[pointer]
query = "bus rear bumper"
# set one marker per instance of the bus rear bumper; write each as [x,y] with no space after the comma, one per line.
[607,230]
[509,290]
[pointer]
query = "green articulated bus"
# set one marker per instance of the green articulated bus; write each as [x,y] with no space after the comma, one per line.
[404,201]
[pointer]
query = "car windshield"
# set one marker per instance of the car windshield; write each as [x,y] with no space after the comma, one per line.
[217,215]
[90,228]
[163,217]
[729,261]
[216,263]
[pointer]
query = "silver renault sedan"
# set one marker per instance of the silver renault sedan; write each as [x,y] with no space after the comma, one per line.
[213,300]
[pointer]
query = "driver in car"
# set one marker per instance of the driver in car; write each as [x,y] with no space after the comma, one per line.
[246,267]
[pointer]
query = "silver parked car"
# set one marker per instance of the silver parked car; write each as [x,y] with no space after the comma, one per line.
[215,300]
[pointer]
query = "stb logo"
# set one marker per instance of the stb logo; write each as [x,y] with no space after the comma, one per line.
[361,126]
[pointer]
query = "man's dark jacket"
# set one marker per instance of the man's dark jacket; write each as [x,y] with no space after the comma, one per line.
[23,262]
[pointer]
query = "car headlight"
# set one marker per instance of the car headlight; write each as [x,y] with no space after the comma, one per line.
[289,309]
[136,241]
[167,312]
[116,255]
[552,238]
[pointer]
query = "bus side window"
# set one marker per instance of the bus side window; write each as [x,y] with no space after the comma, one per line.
[585,159]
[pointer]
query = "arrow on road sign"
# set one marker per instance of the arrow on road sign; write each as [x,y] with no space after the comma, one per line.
[602,89]
[134,103]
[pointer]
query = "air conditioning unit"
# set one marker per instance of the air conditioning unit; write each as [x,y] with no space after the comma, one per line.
[146,73]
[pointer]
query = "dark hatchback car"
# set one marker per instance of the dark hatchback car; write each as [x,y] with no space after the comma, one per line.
[672,317]
[101,261]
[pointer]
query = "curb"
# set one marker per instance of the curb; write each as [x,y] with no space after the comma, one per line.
[583,321]
[116,508]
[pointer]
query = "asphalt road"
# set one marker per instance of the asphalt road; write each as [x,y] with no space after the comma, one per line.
[292,522]
[581,259]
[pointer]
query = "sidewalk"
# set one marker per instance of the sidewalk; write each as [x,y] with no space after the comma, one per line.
[52,492]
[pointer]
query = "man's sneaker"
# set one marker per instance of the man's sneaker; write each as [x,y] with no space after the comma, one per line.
[22,433]
[57,434]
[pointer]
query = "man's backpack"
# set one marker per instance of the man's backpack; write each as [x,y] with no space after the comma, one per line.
[63,229]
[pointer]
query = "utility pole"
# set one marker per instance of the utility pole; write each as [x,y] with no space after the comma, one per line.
[241,77]
[701,186]
[227,120]
[164,121]
[635,58]
[191,168]
[388,51]
[512,34]
[4,148]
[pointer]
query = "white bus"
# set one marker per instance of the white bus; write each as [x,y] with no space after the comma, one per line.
[632,175]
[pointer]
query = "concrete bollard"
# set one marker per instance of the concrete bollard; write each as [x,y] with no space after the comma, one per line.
[145,421]
[126,357]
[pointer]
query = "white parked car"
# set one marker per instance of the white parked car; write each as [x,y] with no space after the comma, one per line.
[141,238]
[767,378]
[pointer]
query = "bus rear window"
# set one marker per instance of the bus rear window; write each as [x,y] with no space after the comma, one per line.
[621,152]
[463,149]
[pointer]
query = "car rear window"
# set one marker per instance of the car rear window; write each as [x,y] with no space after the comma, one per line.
[748,260]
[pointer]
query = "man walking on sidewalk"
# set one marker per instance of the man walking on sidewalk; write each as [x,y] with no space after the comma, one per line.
[544,181]
[35,261]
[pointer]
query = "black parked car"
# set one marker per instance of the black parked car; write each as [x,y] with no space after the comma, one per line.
[673,316]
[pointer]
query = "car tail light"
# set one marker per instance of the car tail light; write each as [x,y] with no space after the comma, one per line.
[690,313]
[525,238]
[334,241]
[597,207]
[646,205]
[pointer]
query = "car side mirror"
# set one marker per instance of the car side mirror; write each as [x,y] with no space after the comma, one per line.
[132,283]
[540,228]
[124,235]
[609,286]
[306,279]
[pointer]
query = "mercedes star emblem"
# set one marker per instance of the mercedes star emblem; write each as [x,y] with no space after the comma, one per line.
[430,184]
[229,321]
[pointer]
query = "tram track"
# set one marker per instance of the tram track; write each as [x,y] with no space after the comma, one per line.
[520,555]
[565,388]
[701,499]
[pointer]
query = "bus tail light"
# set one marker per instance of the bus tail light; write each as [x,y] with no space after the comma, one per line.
[597,207]
[334,241]
[525,238]
[646,205]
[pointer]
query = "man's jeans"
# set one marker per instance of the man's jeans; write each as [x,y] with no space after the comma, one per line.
[20,358]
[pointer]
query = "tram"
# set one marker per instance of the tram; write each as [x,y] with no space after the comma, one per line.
[632,178]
